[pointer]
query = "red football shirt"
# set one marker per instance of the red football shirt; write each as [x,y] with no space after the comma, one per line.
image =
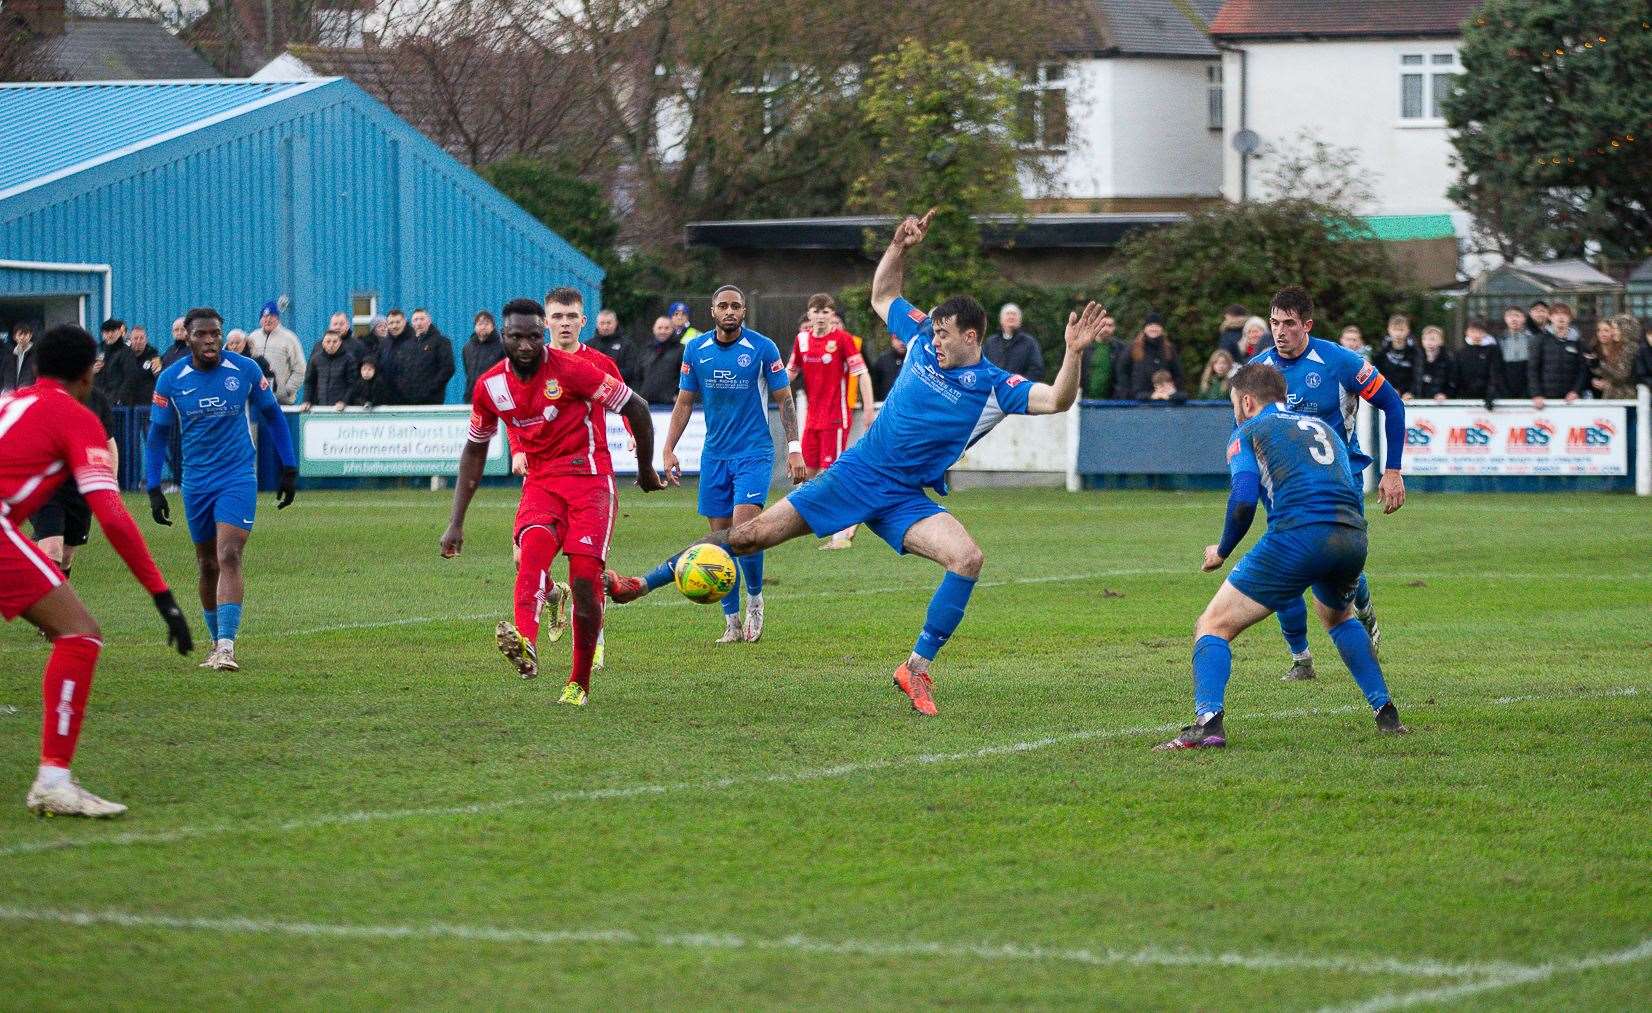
[828,365]
[45,436]
[555,416]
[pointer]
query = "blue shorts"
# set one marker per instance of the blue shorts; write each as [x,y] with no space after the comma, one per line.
[205,509]
[1325,557]
[727,484]
[850,493]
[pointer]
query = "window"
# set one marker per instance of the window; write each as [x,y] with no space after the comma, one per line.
[1041,107]
[1213,96]
[364,306]
[1425,81]
[776,93]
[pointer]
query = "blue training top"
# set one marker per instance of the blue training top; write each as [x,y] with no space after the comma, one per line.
[932,415]
[734,382]
[1326,380]
[211,408]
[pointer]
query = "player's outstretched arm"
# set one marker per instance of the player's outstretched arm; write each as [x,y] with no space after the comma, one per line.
[681,411]
[471,461]
[1057,396]
[640,421]
[891,272]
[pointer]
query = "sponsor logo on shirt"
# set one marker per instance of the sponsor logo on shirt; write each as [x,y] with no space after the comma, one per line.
[687,369]
[1233,450]
[775,366]
[550,413]
[1365,373]
[263,384]
[98,457]
[826,360]
[916,314]
[1015,380]
[159,401]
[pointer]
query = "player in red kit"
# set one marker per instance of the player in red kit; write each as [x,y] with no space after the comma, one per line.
[549,401]
[826,356]
[46,436]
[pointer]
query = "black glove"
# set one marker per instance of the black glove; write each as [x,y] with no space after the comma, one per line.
[158,507]
[177,630]
[288,489]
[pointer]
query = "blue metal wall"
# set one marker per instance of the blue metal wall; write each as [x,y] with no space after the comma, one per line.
[316,196]
[27,282]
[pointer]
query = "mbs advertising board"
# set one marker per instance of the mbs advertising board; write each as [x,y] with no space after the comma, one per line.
[1575,439]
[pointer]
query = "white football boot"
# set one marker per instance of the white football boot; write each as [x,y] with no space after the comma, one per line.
[68,798]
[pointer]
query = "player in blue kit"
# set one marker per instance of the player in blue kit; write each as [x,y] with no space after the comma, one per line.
[1325,380]
[733,371]
[1315,539]
[206,396]
[945,398]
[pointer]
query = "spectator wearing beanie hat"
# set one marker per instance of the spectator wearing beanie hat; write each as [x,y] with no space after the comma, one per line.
[282,350]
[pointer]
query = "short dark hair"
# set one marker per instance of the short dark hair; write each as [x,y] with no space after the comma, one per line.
[565,295]
[1260,379]
[1561,307]
[65,352]
[485,315]
[1478,325]
[1235,310]
[112,325]
[524,306]
[201,313]
[1293,299]
[1536,303]
[822,301]
[394,312]
[421,309]
[965,313]
[720,289]
[21,327]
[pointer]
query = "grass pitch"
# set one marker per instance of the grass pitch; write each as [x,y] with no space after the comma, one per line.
[376,812]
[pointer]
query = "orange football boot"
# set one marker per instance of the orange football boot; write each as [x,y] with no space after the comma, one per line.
[916,686]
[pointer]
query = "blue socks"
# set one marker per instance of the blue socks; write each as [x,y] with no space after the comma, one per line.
[661,575]
[229,620]
[1212,666]
[731,601]
[946,611]
[1293,622]
[211,617]
[1362,592]
[752,567]
[1354,644]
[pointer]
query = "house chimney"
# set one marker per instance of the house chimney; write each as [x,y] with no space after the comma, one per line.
[42,17]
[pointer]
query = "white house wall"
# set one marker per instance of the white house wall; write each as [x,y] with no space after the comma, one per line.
[1347,94]
[1162,142]
[1086,168]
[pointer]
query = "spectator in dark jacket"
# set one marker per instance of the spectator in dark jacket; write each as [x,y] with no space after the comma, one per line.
[1435,367]
[179,349]
[481,351]
[332,375]
[1642,374]
[1558,367]
[1118,360]
[887,368]
[1478,365]
[378,332]
[115,365]
[17,359]
[662,364]
[1514,345]
[339,323]
[146,365]
[612,342]
[1013,349]
[1150,352]
[1233,331]
[1397,359]
[422,365]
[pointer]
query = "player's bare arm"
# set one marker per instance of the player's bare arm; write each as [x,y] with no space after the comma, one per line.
[788,423]
[640,421]
[471,461]
[1083,328]
[868,410]
[681,411]
[891,272]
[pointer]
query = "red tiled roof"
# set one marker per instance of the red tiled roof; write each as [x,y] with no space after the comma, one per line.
[1288,18]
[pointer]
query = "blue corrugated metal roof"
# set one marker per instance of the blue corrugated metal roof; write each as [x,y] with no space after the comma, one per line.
[46,128]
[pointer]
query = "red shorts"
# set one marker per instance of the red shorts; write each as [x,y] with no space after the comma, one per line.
[26,575]
[578,509]
[822,447]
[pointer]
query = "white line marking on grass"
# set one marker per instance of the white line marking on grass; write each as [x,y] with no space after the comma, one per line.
[1149,956]
[1512,978]
[672,788]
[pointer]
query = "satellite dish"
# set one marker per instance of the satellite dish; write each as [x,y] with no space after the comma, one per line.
[1246,142]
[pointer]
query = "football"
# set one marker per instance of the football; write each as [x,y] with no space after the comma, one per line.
[705,573]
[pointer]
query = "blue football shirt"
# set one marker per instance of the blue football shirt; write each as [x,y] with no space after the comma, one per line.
[734,382]
[1326,381]
[1302,467]
[932,415]
[210,407]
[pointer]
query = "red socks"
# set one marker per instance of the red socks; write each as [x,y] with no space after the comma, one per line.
[585,574]
[533,579]
[67,684]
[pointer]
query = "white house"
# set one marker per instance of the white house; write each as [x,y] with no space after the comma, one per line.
[1363,75]
[1132,112]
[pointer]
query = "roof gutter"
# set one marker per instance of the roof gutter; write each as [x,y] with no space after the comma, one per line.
[106,270]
